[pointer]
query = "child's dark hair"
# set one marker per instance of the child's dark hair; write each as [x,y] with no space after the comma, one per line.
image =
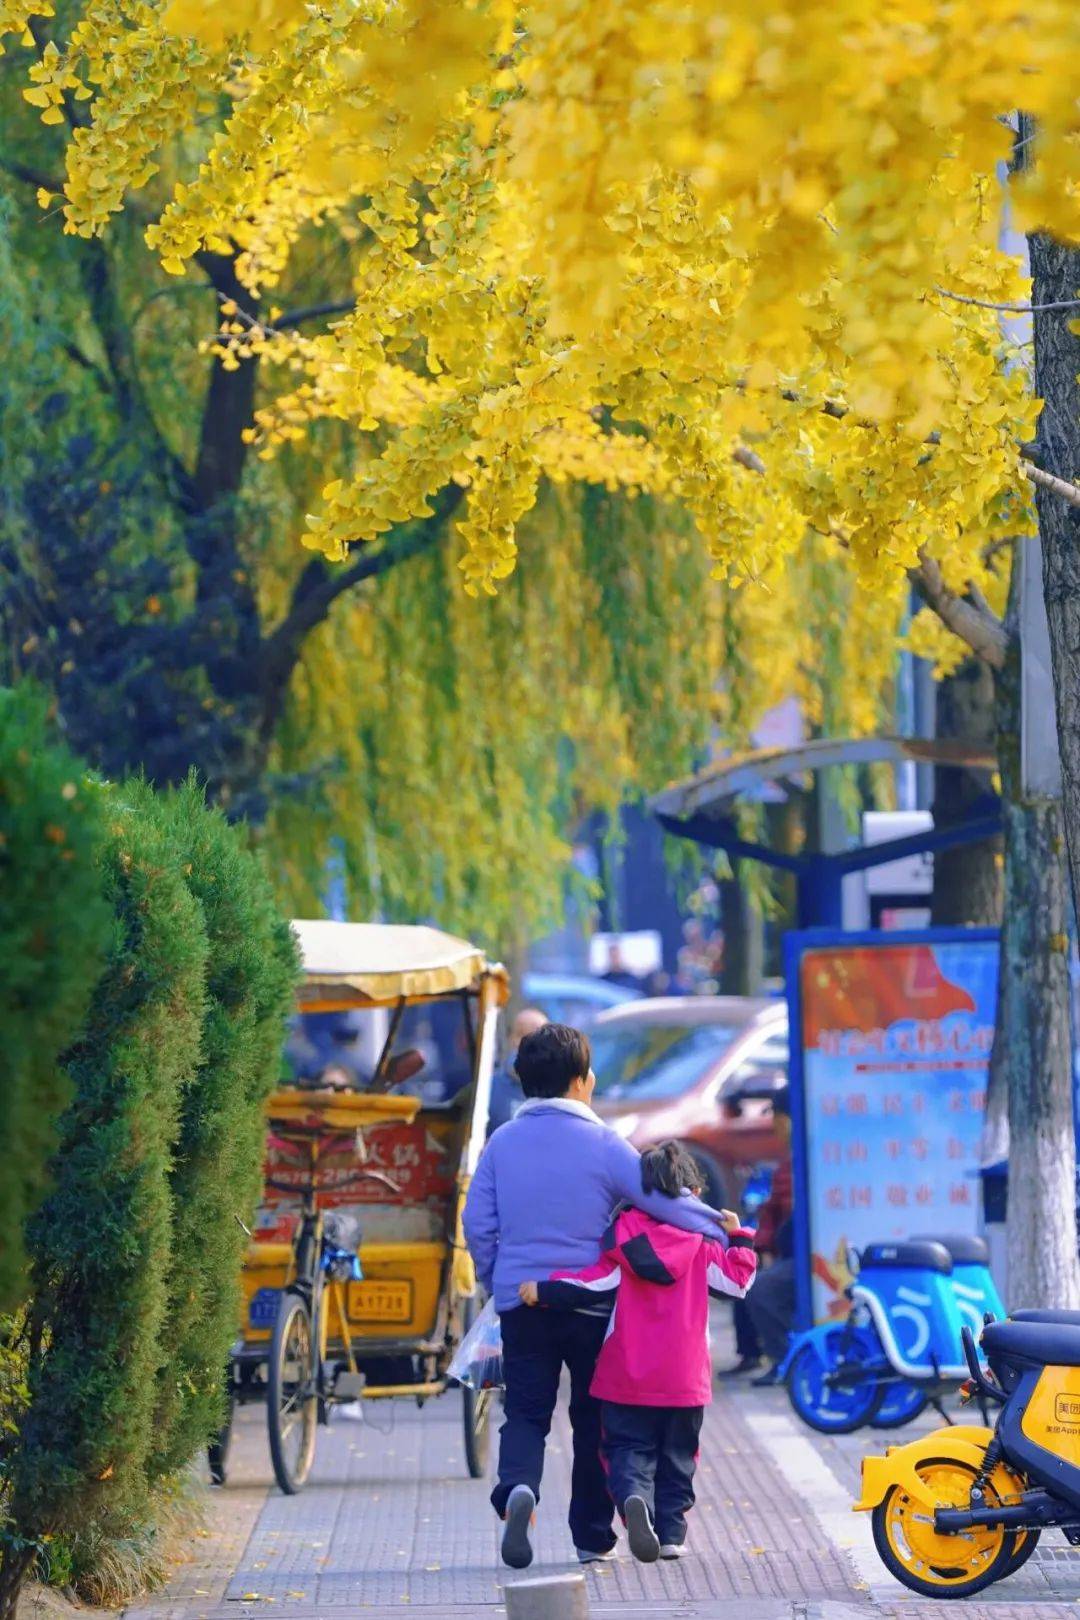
[669,1169]
[550,1059]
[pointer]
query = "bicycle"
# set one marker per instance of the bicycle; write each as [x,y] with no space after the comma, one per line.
[302,1380]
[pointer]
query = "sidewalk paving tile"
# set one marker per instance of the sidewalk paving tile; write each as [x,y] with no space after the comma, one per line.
[390,1522]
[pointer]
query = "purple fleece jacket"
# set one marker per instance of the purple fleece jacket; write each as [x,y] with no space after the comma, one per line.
[544,1192]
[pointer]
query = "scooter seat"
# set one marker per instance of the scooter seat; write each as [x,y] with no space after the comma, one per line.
[917,1254]
[1036,1344]
[1063,1318]
[967,1250]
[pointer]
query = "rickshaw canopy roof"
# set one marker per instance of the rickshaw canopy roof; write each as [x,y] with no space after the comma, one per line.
[365,964]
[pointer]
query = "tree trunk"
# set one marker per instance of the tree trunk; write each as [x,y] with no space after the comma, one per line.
[1055,272]
[15,1565]
[743,966]
[1031,1065]
[1041,1224]
[967,879]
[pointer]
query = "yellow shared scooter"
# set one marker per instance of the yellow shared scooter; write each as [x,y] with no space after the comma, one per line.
[965,1506]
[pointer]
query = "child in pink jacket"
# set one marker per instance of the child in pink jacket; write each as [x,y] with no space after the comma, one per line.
[654,1373]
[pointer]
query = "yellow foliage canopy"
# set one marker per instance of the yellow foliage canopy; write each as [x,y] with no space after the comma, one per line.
[622,241]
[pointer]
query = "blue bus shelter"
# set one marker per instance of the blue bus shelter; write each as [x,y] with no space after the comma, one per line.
[704,809]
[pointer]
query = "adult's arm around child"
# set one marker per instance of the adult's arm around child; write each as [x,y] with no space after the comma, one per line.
[481,1220]
[686,1212]
[592,1288]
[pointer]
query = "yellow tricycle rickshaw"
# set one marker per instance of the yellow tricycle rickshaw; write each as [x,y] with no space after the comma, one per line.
[357,1283]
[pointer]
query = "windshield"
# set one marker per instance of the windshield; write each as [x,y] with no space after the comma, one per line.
[640,1060]
[430,1056]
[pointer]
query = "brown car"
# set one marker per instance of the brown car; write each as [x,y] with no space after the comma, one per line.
[701,1070]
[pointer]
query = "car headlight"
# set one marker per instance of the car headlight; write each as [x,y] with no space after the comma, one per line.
[625,1125]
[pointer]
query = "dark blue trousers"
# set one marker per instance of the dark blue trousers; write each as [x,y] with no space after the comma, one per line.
[651,1451]
[537,1345]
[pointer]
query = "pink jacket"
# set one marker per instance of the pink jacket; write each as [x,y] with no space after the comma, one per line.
[657,1348]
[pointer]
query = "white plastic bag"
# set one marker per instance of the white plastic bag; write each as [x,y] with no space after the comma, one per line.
[478,1362]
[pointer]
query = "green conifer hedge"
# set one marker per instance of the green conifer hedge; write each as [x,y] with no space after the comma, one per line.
[135,1250]
[101,1243]
[217,1172]
[54,928]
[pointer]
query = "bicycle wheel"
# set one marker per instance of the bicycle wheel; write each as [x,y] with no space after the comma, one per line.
[475,1411]
[292,1399]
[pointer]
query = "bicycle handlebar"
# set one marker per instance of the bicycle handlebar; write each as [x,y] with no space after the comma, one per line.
[314,1186]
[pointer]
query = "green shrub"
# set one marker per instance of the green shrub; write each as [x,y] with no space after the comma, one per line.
[54,928]
[217,1173]
[100,1245]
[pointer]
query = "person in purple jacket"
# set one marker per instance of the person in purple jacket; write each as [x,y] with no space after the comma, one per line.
[542,1197]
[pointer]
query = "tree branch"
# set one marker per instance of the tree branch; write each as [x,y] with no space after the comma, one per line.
[832,408]
[1059,486]
[314,312]
[84,361]
[31,176]
[1008,308]
[969,618]
[319,586]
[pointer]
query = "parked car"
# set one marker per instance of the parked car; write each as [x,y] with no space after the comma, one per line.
[701,1070]
[570,998]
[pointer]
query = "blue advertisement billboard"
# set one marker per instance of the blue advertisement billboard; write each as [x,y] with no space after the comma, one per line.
[891,1040]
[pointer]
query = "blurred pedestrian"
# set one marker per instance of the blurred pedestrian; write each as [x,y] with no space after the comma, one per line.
[506,1093]
[617,971]
[771,1307]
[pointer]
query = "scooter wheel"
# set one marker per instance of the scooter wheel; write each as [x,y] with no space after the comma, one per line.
[831,1408]
[1026,1543]
[935,1565]
[900,1404]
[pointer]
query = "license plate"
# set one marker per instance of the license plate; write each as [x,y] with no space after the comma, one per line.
[263,1307]
[374,1301]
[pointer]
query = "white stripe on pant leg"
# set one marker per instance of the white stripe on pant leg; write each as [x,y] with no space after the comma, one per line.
[815,1483]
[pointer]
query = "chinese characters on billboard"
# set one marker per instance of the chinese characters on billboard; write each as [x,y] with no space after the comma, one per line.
[896,1042]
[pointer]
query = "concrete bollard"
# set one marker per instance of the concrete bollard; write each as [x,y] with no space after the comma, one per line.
[548,1597]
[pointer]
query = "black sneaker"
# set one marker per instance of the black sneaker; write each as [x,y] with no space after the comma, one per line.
[745,1364]
[768,1379]
[516,1546]
[644,1542]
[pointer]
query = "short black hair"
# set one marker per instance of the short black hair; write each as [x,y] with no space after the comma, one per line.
[550,1060]
[669,1169]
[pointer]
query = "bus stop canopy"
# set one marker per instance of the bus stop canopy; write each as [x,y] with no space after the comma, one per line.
[703,808]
